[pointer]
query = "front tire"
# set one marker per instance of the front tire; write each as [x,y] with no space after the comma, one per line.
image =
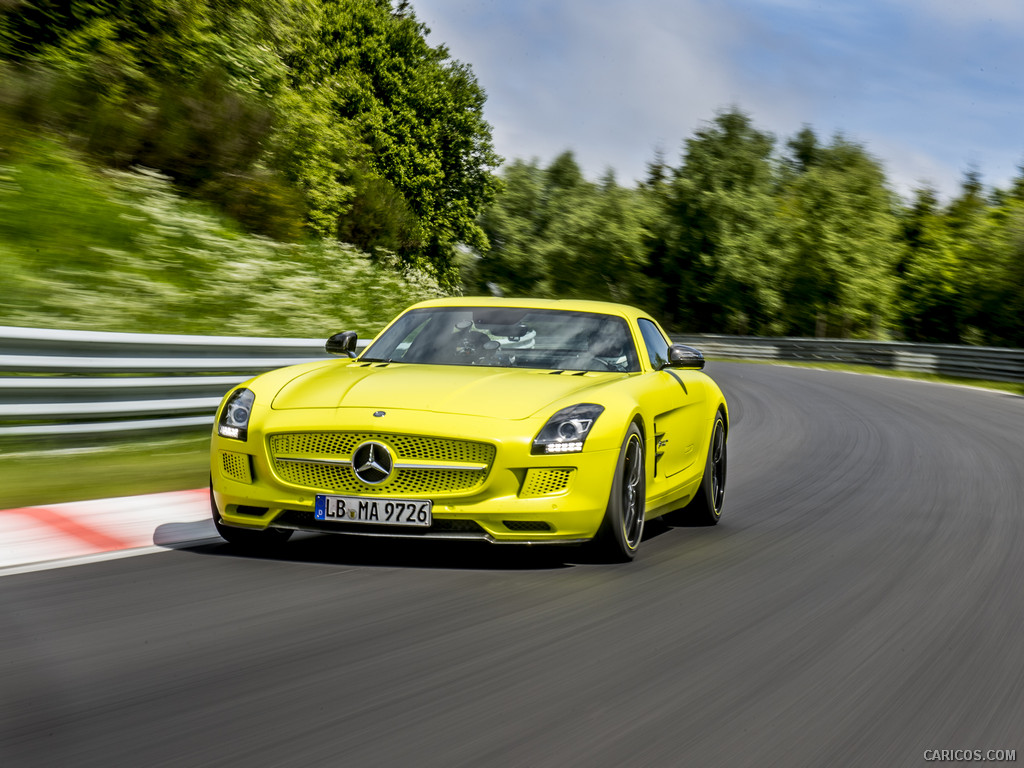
[245,540]
[623,526]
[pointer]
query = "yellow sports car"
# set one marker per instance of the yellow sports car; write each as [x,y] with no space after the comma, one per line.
[503,420]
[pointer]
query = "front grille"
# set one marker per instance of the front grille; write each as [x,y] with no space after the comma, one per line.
[546,482]
[408,447]
[338,446]
[405,482]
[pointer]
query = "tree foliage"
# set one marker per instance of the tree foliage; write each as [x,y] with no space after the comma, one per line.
[337,114]
[722,250]
[747,235]
[553,233]
[341,119]
[931,274]
[842,245]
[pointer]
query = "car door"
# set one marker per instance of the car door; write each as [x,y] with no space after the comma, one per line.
[675,398]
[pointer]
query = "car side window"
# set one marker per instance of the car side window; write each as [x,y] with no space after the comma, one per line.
[656,343]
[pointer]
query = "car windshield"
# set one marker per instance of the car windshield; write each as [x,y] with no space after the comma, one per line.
[508,337]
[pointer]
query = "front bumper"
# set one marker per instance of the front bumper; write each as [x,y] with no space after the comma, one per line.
[524,499]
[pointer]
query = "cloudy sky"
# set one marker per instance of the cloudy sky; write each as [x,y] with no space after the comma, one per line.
[930,87]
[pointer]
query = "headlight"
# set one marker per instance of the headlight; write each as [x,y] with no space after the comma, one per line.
[567,430]
[234,419]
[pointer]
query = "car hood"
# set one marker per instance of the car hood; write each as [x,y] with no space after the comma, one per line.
[472,391]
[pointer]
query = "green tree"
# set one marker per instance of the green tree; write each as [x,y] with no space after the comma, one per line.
[1005,306]
[514,265]
[804,151]
[419,114]
[553,233]
[842,245]
[967,208]
[990,242]
[594,241]
[340,111]
[657,229]
[721,262]
[932,306]
[956,265]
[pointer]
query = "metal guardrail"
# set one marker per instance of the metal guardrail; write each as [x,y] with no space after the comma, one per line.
[989,363]
[77,383]
[83,382]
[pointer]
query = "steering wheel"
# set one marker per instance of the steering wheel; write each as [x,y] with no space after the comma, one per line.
[490,354]
[587,362]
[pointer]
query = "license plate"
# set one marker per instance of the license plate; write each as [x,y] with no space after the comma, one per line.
[361,509]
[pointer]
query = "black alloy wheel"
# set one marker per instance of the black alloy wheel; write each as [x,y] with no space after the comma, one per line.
[623,526]
[706,506]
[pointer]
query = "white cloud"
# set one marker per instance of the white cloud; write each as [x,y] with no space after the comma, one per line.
[613,81]
[919,82]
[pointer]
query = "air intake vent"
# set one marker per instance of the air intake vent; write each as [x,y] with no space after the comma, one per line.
[303,519]
[526,525]
[235,466]
[547,482]
[241,509]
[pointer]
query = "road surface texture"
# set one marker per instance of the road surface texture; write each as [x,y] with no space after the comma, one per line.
[861,602]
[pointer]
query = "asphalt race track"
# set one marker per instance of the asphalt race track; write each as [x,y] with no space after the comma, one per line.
[862,601]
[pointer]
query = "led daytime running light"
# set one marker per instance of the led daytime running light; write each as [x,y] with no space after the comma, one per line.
[575,447]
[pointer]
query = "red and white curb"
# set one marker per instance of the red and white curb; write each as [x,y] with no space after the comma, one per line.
[34,538]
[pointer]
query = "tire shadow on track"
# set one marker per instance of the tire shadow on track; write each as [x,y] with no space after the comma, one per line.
[370,552]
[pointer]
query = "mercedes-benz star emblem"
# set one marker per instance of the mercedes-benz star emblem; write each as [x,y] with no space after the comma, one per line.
[372,462]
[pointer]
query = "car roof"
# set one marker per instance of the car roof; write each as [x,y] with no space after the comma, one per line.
[568,305]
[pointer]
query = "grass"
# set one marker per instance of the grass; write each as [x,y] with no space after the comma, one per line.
[108,250]
[38,477]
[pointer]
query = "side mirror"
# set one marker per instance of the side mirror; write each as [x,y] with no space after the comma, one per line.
[682,356]
[343,343]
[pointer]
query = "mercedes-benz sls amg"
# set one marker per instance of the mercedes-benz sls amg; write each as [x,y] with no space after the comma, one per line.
[503,420]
